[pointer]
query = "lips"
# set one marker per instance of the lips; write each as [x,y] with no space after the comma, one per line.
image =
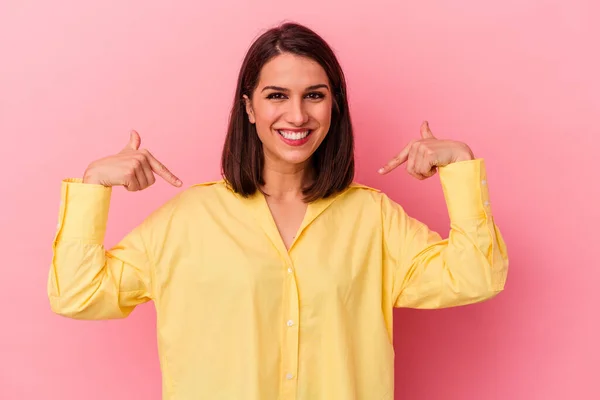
[294,135]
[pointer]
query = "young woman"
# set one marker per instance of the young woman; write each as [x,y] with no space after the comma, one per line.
[280,280]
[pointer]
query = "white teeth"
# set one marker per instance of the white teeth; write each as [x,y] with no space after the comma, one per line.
[294,135]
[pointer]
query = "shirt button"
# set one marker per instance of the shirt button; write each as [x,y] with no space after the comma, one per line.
[289,376]
[290,323]
[486,203]
[290,271]
[483,182]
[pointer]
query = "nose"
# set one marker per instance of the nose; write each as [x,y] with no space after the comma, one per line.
[297,114]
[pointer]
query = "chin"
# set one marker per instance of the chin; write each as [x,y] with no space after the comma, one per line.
[295,157]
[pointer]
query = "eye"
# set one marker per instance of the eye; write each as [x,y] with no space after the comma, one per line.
[315,95]
[276,96]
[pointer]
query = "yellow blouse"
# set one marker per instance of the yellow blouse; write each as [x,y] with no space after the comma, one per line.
[241,318]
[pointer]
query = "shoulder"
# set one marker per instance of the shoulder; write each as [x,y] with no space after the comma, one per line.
[194,196]
[363,192]
[206,192]
[368,196]
[363,188]
[208,187]
[191,204]
[359,196]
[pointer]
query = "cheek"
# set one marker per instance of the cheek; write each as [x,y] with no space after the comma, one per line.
[267,114]
[322,114]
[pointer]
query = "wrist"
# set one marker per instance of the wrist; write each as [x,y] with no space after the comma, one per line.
[90,179]
[466,154]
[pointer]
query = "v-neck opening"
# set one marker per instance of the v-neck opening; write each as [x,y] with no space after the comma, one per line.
[266,219]
[271,228]
[261,211]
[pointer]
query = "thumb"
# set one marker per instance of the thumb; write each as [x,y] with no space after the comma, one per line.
[425,131]
[134,141]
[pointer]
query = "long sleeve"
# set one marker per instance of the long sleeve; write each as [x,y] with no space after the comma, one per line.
[85,280]
[469,266]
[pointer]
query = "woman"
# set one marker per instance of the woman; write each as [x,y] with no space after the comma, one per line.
[279,281]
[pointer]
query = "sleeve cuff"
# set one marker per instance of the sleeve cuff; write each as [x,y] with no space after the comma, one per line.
[465,189]
[83,212]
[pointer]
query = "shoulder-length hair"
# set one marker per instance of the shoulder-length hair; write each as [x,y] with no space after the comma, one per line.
[242,159]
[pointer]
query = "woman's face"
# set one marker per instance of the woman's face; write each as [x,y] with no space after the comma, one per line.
[291,107]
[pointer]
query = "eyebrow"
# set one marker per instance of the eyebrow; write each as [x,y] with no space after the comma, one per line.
[282,89]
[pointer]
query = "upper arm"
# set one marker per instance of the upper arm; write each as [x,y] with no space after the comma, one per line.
[88,281]
[468,266]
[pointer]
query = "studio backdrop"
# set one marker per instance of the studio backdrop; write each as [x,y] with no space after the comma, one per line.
[516,80]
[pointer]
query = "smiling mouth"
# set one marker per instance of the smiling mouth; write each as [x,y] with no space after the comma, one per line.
[293,135]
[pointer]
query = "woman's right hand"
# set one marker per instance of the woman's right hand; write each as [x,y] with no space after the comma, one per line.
[132,168]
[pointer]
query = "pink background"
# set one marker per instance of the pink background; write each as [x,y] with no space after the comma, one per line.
[517,80]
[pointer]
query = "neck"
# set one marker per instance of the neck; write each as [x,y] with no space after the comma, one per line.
[285,182]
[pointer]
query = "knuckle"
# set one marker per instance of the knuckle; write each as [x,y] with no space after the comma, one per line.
[145,153]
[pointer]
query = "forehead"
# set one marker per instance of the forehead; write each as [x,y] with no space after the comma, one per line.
[292,71]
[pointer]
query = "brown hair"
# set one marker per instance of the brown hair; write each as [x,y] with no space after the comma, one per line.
[242,159]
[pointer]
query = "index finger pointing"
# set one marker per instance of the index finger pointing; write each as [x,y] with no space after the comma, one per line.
[162,171]
[398,160]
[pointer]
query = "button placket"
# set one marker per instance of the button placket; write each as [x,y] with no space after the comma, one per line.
[291,313]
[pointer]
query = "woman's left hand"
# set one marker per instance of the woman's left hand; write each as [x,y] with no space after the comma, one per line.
[424,156]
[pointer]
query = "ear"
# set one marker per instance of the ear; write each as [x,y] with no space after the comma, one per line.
[249,109]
